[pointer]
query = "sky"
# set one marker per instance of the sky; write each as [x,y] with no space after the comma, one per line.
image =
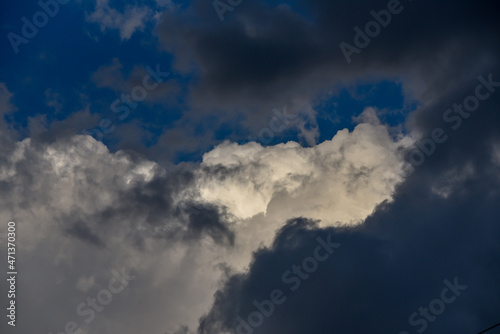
[240,167]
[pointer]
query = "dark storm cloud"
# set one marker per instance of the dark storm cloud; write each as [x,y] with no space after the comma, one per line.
[264,51]
[443,222]
[384,271]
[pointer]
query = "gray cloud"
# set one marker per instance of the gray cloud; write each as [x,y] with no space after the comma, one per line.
[385,270]
[268,52]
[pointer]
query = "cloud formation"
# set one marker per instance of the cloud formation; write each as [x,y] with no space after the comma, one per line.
[337,181]
[265,51]
[195,225]
[208,241]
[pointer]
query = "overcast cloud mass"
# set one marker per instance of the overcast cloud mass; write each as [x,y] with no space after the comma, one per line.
[240,167]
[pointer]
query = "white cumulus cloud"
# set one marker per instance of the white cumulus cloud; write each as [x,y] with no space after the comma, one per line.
[81,216]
